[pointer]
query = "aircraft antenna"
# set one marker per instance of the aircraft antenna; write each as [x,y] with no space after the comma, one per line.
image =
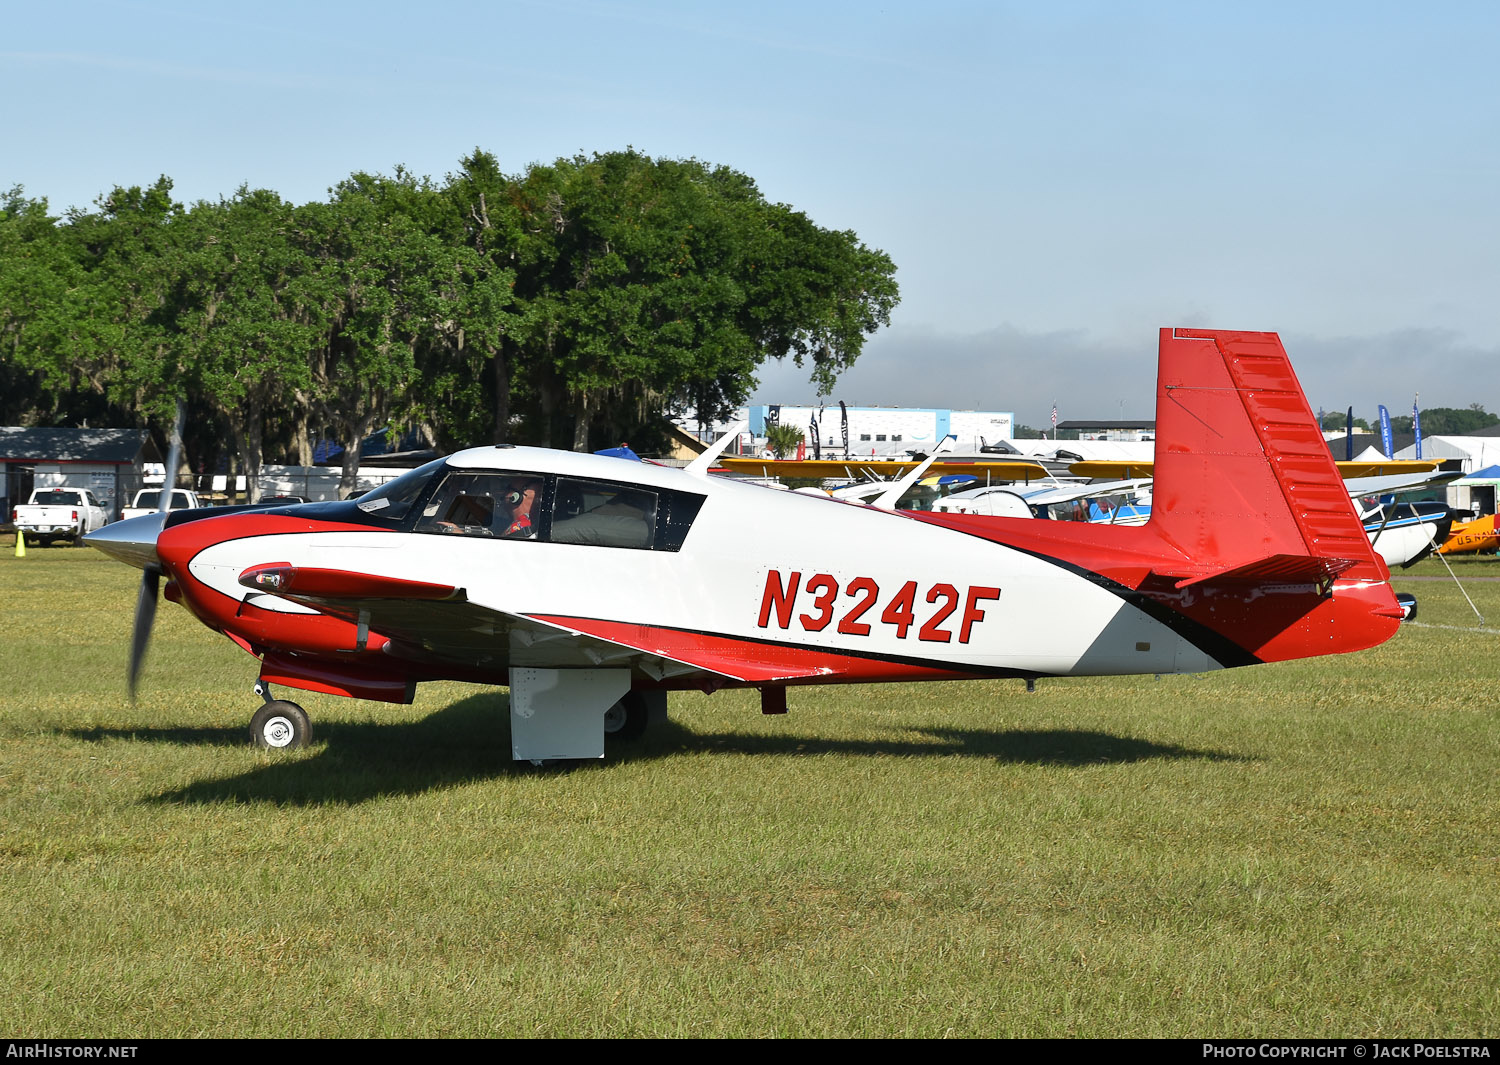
[887,499]
[699,466]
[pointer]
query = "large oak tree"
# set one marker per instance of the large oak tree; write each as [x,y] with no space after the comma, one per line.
[576,302]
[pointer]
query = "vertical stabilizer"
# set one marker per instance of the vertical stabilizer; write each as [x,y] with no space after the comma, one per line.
[1242,471]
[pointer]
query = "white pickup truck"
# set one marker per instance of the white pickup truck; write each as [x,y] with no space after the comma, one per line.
[59,514]
[148,501]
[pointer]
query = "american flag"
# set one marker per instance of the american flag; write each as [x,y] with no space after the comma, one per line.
[1054,415]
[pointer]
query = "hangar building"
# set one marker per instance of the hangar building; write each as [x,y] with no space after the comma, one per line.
[108,462]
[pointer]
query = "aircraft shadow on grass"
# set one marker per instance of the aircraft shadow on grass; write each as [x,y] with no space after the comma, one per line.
[469,741]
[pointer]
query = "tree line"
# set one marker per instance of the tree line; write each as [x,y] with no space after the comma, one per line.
[580,302]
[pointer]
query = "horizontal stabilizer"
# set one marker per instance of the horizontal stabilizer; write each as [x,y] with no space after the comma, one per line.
[1278,569]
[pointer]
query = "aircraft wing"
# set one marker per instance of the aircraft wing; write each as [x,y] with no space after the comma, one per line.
[1397,484]
[861,492]
[1125,468]
[440,625]
[854,469]
[1068,493]
[1111,468]
[1386,468]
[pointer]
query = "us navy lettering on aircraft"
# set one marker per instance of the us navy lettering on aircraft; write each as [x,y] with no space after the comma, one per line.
[592,587]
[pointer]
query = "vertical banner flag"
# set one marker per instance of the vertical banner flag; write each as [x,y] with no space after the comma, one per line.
[1385,431]
[844,414]
[1349,436]
[1416,424]
[812,428]
[773,414]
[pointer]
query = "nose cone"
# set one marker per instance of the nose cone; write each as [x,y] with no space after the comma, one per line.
[132,541]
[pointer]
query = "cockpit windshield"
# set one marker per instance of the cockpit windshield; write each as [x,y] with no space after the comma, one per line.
[393,500]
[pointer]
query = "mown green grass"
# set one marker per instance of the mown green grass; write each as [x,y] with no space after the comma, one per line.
[1299,850]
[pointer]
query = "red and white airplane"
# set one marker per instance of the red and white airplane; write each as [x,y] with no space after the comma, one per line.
[591,586]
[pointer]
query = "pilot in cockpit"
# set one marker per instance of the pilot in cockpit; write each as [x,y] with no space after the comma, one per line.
[520,504]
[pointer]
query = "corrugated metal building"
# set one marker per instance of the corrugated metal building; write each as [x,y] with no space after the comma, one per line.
[107,462]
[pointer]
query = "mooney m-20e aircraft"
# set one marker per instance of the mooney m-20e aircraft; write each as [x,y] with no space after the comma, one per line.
[591,585]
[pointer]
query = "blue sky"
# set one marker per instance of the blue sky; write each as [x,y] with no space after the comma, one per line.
[1054,181]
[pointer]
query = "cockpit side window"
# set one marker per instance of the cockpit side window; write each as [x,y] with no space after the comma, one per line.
[610,514]
[603,514]
[493,503]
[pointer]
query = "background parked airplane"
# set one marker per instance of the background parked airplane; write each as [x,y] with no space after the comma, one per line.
[1476,536]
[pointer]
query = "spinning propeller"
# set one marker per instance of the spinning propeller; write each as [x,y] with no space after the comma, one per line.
[145,604]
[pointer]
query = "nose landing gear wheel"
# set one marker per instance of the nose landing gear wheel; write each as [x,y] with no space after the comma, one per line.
[280,725]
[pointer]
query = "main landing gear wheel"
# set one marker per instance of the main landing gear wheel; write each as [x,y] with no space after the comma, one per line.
[626,719]
[280,725]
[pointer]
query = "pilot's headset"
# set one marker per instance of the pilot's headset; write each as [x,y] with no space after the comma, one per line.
[515,490]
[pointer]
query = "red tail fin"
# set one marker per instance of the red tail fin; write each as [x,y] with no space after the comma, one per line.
[1226,402]
[1253,545]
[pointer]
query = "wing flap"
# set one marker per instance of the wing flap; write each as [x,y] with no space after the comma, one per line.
[747,660]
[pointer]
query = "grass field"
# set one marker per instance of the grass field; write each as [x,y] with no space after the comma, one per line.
[1308,849]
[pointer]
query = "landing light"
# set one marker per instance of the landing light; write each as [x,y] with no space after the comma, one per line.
[271,577]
